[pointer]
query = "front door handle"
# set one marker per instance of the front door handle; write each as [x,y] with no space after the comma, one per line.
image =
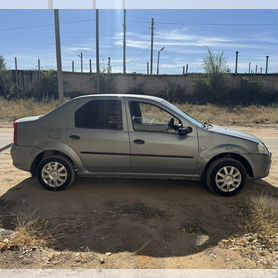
[139,141]
[74,137]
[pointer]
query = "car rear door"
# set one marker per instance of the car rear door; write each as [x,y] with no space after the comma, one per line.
[99,136]
[154,147]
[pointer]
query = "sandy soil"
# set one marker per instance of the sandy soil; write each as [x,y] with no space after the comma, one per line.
[143,223]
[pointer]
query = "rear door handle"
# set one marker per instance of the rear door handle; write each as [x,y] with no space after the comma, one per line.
[139,141]
[74,137]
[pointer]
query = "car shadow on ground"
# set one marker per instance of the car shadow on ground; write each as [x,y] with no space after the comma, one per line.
[159,218]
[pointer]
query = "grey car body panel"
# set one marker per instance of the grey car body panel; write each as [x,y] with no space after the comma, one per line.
[233,133]
[162,152]
[101,150]
[23,156]
[113,152]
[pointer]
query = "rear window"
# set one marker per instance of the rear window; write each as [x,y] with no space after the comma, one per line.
[100,114]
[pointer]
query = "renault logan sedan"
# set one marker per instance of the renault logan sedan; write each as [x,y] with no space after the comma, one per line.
[134,136]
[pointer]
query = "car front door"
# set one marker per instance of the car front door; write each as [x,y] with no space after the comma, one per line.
[100,137]
[157,148]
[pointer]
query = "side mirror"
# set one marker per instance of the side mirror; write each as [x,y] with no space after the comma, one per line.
[182,131]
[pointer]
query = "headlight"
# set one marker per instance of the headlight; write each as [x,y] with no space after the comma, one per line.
[262,149]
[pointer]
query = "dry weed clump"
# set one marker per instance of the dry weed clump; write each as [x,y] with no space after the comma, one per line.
[259,218]
[29,232]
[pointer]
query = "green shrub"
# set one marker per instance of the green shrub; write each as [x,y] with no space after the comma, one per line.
[138,89]
[106,83]
[45,88]
[5,78]
[213,89]
[174,93]
[251,92]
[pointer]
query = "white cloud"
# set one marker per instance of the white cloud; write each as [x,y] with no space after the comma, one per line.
[179,39]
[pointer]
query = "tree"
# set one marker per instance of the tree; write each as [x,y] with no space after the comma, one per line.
[215,63]
[4,78]
[2,64]
[212,87]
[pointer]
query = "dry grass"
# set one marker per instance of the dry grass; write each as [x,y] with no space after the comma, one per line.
[29,232]
[12,110]
[260,218]
[246,116]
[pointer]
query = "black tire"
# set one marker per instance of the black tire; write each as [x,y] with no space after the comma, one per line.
[210,176]
[68,170]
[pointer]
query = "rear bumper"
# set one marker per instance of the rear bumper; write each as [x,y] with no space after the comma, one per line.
[23,156]
[261,165]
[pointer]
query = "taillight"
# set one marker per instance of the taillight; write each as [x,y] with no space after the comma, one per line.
[15,133]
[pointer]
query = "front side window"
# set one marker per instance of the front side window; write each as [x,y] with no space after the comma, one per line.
[149,117]
[100,114]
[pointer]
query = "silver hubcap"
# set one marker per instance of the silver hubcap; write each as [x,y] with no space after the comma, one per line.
[228,178]
[54,174]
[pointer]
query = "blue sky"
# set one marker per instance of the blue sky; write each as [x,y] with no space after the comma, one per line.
[185,34]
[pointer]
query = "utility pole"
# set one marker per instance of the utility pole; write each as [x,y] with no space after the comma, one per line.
[124,44]
[39,69]
[236,61]
[16,74]
[256,69]
[261,70]
[266,64]
[158,59]
[97,50]
[186,71]
[183,70]
[152,33]
[90,64]
[148,68]
[109,65]
[50,4]
[249,70]
[72,66]
[81,61]
[103,69]
[58,57]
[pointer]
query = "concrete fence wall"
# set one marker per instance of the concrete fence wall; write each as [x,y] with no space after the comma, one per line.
[84,83]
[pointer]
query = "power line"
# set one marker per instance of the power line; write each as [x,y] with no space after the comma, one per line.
[138,57]
[158,22]
[47,25]
[221,24]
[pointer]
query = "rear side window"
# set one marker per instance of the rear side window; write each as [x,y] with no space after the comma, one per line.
[100,114]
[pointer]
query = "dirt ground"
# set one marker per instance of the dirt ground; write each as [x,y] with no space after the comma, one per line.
[135,223]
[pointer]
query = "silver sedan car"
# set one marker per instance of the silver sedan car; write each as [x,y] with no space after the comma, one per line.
[134,136]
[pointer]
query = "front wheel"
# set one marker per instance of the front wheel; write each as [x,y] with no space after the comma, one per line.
[226,176]
[55,173]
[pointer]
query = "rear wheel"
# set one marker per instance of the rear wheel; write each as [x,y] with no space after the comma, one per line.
[55,173]
[226,176]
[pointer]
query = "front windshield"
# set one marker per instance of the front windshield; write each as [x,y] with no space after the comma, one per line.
[183,114]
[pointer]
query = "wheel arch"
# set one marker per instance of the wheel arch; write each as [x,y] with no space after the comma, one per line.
[48,153]
[236,156]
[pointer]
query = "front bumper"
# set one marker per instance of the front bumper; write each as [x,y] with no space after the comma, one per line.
[23,156]
[261,164]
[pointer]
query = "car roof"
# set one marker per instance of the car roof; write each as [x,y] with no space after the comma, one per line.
[121,96]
